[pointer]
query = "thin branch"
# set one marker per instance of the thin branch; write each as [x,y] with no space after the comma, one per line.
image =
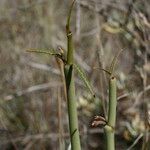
[135,142]
[32,89]
[43,67]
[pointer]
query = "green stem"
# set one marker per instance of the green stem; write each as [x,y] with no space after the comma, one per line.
[72,108]
[110,127]
[70,48]
[69,37]
[70,88]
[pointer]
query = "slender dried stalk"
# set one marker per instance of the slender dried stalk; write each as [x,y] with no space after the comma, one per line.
[60,124]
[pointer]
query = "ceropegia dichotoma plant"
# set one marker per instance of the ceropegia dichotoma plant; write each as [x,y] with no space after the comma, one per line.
[110,122]
[69,67]
[70,88]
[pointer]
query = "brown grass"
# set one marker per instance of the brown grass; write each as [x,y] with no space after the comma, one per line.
[30,84]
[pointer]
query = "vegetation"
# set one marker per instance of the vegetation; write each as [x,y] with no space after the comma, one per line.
[33,112]
[70,88]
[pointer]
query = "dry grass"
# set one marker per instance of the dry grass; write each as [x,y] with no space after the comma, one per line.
[31,88]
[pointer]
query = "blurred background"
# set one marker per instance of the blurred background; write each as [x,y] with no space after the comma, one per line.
[33,108]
